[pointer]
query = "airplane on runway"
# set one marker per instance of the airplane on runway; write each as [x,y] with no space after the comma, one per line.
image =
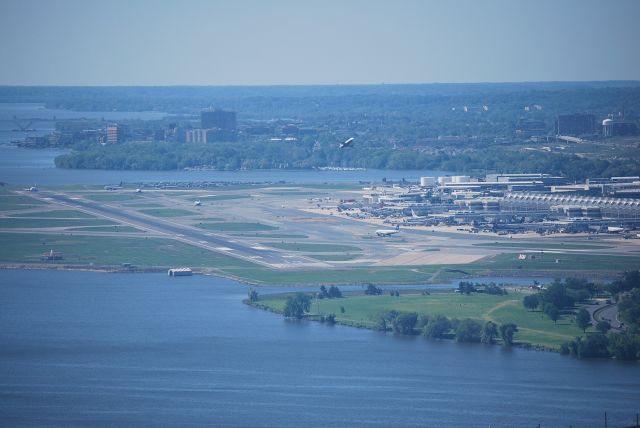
[388,232]
[347,143]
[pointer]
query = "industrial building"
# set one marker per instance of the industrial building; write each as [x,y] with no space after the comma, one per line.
[575,124]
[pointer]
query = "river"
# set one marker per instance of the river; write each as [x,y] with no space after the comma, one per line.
[97,349]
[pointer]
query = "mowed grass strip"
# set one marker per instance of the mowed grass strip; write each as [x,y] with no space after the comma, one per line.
[542,245]
[54,214]
[12,223]
[111,250]
[167,212]
[362,310]
[235,227]
[215,198]
[112,197]
[116,228]
[312,248]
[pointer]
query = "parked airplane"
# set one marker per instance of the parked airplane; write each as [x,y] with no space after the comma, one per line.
[346,143]
[388,232]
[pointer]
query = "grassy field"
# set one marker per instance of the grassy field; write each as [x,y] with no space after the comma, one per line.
[544,246]
[10,201]
[554,262]
[235,227]
[361,310]
[167,212]
[9,223]
[111,250]
[143,205]
[55,214]
[311,248]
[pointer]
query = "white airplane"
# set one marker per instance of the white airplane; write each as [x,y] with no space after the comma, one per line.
[197,203]
[414,215]
[346,143]
[388,232]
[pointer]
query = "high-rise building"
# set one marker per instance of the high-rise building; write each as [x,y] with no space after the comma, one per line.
[115,134]
[220,119]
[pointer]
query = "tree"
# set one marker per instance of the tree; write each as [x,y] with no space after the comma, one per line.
[552,312]
[583,319]
[296,306]
[404,322]
[323,292]
[624,346]
[468,331]
[603,327]
[436,327]
[506,333]
[372,290]
[334,292]
[489,332]
[253,295]
[531,301]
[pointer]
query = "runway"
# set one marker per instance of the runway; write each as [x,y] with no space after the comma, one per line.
[253,252]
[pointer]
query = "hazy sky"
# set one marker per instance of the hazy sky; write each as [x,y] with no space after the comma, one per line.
[255,42]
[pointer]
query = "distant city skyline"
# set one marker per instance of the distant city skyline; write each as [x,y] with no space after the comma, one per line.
[287,42]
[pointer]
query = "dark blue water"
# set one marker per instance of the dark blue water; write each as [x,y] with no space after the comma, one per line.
[92,349]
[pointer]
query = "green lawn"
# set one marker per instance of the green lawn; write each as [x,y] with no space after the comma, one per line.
[235,227]
[8,223]
[311,248]
[111,250]
[167,212]
[361,310]
[55,214]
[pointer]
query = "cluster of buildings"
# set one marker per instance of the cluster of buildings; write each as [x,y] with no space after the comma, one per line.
[506,203]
